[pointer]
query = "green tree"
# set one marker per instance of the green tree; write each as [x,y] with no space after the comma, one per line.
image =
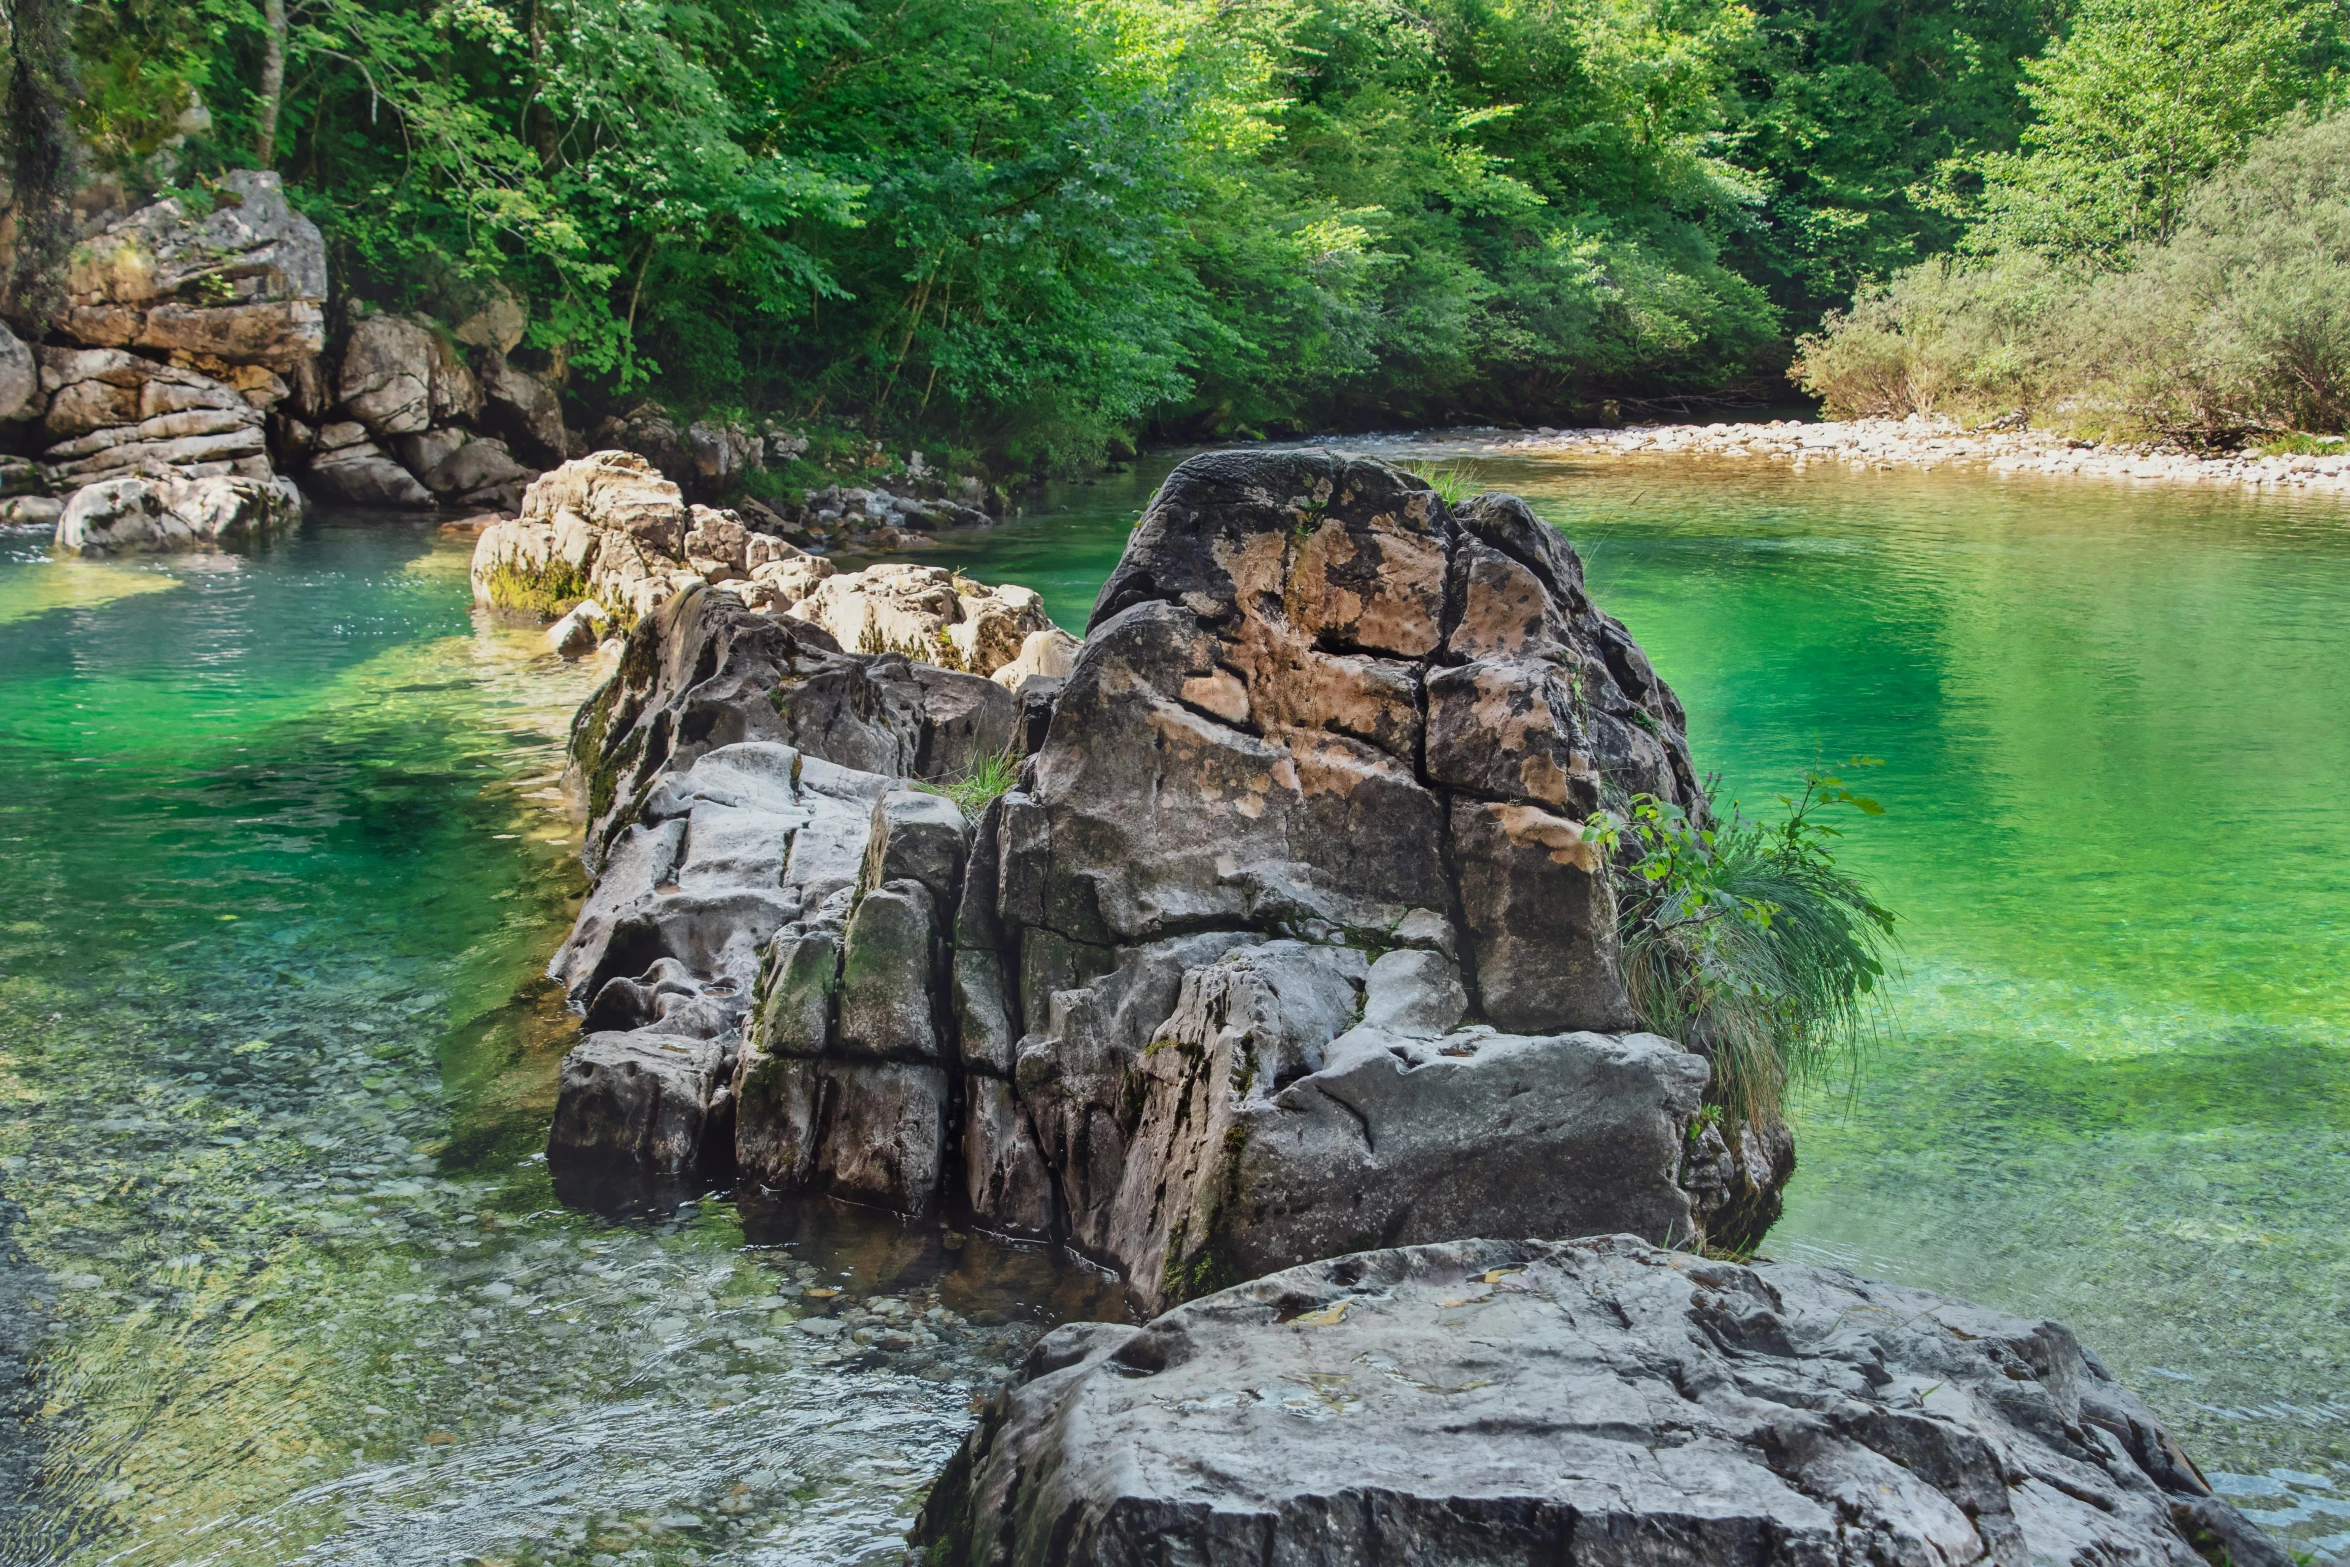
[2142,99]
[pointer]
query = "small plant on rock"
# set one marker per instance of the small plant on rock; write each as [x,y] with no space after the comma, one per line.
[1746,939]
[1452,485]
[986,778]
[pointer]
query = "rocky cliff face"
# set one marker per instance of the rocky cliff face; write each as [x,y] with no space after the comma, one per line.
[190,375]
[1290,940]
[1599,1402]
[152,434]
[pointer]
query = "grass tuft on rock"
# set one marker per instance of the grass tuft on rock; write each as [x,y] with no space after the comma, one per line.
[987,778]
[1453,484]
[1746,940]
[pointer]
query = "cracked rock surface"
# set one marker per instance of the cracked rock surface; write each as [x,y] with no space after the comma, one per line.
[1584,1403]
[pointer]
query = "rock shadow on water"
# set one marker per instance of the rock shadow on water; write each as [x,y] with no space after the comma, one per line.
[975,1274]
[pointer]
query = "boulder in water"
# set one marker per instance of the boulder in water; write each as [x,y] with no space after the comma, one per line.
[1226,981]
[141,516]
[1600,1401]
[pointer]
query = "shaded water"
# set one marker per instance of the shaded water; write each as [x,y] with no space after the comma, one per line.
[278,864]
[279,861]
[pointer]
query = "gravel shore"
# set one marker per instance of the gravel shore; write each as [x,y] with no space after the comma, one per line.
[1923,443]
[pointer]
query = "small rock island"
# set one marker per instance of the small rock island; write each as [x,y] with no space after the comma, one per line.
[1262,949]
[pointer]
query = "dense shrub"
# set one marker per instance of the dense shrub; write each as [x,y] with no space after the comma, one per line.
[2238,320]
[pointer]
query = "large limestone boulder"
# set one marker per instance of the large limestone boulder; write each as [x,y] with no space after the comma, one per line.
[749,886]
[150,515]
[349,469]
[386,380]
[1278,948]
[927,613]
[241,283]
[524,409]
[1603,1401]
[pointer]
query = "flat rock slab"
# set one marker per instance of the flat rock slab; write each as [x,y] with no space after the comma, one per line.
[1572,1402]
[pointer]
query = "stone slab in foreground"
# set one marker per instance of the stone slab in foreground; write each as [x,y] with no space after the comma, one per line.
[1572,1402]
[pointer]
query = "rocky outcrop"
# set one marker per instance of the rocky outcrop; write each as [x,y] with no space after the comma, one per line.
[1589,1402]
[347,468]
[926,613]
[20,379]
[731,847]
[110,412]
[609,528]
[241,284]
[1290,939]
[191,315]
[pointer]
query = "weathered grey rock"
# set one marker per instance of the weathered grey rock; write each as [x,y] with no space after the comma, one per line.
[240,284]
[360,474]
[648,431]
[1320,719]
[1596,1402]
[922,837]
[111,414]
[387,375]
[722,453]
[31,511]
[474,465]
[20,379]
[524,409]
[157,514]
[883,1141]
[639,1099]
[888,997]
[421,453]
[456,395]
[580,632]
[487,315]
[1005,1177]
[715,673]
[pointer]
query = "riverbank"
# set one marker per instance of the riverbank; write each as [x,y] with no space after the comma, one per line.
[1924,443]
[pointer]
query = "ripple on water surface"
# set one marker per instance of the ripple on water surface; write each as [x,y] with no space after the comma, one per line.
[279,859]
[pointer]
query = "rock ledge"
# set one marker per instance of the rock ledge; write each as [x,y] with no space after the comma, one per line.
[1586,1402]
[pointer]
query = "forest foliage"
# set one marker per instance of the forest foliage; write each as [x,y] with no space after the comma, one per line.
[2165,253]
[1033,227]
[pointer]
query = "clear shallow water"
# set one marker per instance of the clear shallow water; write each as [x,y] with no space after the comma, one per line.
[2114,1083]
[280,857]
[304,1295]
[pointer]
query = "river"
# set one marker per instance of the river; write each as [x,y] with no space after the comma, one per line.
[280,858]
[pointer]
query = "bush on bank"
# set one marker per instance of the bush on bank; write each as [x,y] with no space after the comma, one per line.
[2167,255]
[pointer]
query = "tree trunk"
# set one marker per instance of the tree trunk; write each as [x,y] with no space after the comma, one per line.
[36,136]
[273,81]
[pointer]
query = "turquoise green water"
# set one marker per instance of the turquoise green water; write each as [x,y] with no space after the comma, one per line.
[279,859]
[2113,1086]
